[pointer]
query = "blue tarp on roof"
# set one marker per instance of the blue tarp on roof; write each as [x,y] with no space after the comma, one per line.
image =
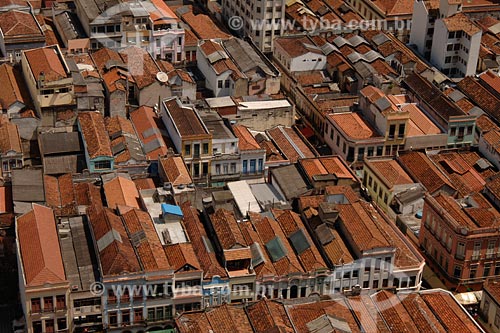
[171,209]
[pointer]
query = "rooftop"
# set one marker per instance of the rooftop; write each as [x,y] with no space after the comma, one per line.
[185,119]
[290,143]
[46,63]
[460,22]
[390,172]
[175,170]
[353,125]
[16,91]
[94,133]
[151,131]
[121,191]
[246,141]
[39,246]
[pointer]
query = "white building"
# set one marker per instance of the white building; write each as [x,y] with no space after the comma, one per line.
[261,20]
[299,54]
[446,37]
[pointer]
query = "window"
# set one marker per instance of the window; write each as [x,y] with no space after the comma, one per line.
[392,131]
[102,165]
[469,130]
[473,272]
[219,84]
[48,303]
[453,131]
[476,253]
[401,132]
[487,269]
[451,34]
[196,150]
[449,47]
[49,326]
[113,318]
[125,316]
[491,249]
[137,315]
[205,148]
[226,84]
[460,253]
[35,305]
[261,165]
[245,166]
[457,272]
[61,324]
[252,166]
[447,60]
[497,268]
[226,168]
[187,150]
[367,265]
[60,302]
[217,169]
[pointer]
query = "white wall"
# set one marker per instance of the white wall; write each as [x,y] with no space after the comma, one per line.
[308,62]
[419,26]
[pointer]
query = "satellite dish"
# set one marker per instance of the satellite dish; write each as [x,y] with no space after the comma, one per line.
[162,77]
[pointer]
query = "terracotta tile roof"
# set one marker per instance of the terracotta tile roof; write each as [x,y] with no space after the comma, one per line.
[10,141]
[190,39]
[141,66]
[148,247]
[492,287]
[290,143]
[60,194]
[204,27]
[223,64]
[460,22]
[246,140]
[266,315]
[6,204]
[461,171]
[297,46]
[95,135]
[393,312]
[182,255]
[266,267]
[390,172]
[185,119]
[326,165]
[46,60]
[301,314]
[39,246]
[149,128]
[144,183]
[481,96]
[485,124]
[347,191]
[272,152]
[491,80]
[394,7]
[175,170]
[291,223]
[493,139]
[116,253]
[206,257]
[450,314]
[222,319]
[419,124]
[353,125]
[226,229]
[421,169]
[88,194]
[118,125]
[268,229]
[15,89]
[14,23]
[121,192]
[104,56]
[361,228]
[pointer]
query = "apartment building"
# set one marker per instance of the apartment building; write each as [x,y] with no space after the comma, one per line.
[365,250]
[19,30]
[250,151]
[44,287]
[460,239]
[150,25]
[443,34]
[189,135]
[384,179]
[96,143]
[49,82]
[262,21]
[443,111]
